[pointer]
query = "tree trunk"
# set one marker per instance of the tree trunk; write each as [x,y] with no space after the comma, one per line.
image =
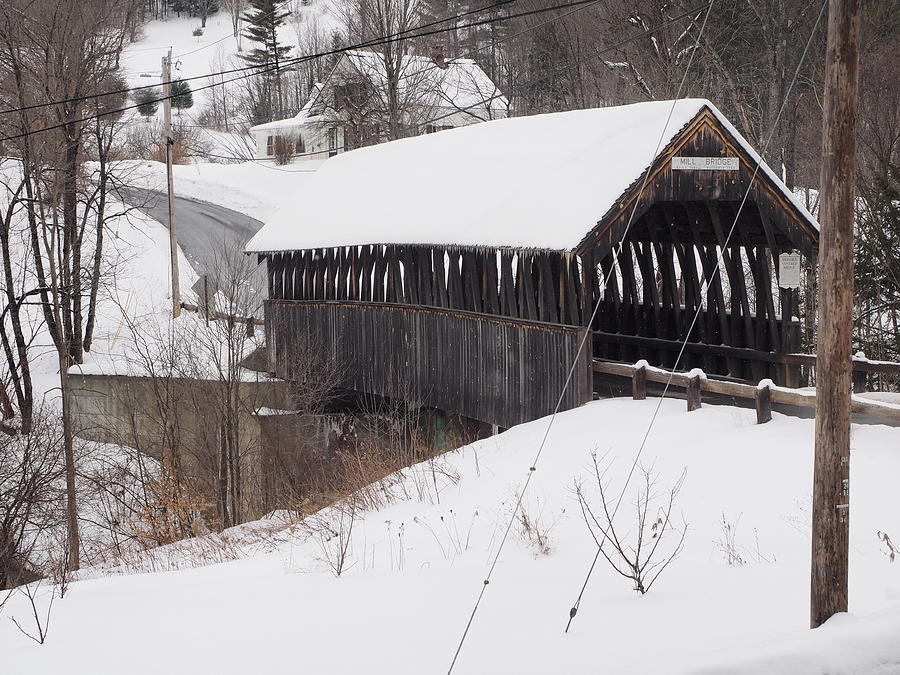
[103,181]
[74,539]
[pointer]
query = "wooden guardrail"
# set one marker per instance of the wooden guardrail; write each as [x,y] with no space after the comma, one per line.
[248,321]
[740,359]
[764,394]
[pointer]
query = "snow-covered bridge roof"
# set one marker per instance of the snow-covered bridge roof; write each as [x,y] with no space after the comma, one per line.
[525,182]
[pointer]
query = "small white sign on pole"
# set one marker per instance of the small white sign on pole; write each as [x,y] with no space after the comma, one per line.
[705,163]
[789,270]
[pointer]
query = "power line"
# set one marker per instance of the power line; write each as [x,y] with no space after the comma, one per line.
[405,76]
[345,49]
[533,468]
[704,289]
[260,69]
[271,69]
[478,104]
[259,72]
[573,64]
[598,53]
[274,11]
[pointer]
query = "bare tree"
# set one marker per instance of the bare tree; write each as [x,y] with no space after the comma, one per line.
[31,467]
[641,550]
[59,55]
[391,81]
[235,9]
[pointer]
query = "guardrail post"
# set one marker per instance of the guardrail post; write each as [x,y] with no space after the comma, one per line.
[792,370]
[763,399]
[859,377]
[860,381]
[693,392]
[639,381]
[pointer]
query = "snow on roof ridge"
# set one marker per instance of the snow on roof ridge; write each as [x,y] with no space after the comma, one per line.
[538,182]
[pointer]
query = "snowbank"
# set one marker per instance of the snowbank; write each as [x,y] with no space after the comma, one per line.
[415,568]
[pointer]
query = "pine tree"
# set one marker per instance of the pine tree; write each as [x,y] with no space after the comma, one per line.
[147,102]
[182,96]
[263,20]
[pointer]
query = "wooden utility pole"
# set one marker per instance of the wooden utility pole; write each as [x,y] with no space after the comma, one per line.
[831,479]
[170,140]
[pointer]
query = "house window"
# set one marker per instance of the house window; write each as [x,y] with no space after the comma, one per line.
[432,128]
[332,141]
[270,146]
[299,148]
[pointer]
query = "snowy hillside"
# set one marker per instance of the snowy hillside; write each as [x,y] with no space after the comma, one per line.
[257,189]
[214,51]
[414,567]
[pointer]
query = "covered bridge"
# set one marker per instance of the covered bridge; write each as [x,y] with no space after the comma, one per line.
[461,269]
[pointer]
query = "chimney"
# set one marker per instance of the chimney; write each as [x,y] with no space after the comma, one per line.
[437,55]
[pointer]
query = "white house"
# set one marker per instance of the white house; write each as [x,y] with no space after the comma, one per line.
[353,107]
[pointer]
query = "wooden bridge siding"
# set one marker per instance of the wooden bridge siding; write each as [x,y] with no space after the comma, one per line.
[643,298]
[733,310]
[535,285]
[487,368]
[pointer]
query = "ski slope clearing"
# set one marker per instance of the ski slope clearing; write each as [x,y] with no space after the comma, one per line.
[415,565]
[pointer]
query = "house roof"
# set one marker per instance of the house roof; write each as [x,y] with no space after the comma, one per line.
[461,84]
[297,120]
[539,182]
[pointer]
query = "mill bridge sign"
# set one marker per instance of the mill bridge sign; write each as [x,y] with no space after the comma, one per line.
[705,163]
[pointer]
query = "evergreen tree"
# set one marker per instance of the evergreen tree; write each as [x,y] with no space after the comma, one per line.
[263,20]
[182,96]
[147,102]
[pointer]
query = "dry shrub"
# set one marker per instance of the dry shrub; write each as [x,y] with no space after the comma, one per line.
[332,530]
[373,476]
[533,529]
[735,554]
[145,141]
[283,149]
[174,510]
[727,545]
[890,549]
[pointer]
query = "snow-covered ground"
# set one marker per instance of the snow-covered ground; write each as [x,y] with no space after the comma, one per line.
[135,283]
[258,189]
[415,567]
[214,51]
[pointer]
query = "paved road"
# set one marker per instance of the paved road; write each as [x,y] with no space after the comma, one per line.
[204,230]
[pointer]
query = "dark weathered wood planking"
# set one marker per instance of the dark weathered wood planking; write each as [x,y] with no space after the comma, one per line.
[690,246]
[654,290]
[488,368]
[703,136]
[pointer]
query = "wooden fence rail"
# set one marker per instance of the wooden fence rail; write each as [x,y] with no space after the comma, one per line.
[248,321]
[764,394]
